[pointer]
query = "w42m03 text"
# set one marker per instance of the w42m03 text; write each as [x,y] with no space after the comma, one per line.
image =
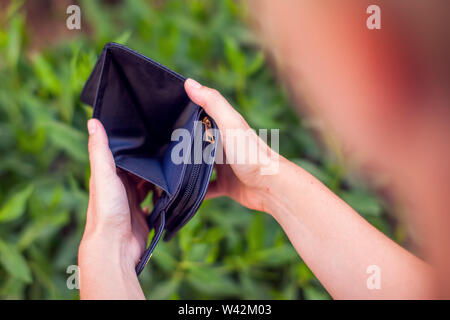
[228,309]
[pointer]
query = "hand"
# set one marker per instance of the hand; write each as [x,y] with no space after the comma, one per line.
[116,232]
[244,182]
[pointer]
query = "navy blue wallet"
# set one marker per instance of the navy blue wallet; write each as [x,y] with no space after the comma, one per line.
[141,103]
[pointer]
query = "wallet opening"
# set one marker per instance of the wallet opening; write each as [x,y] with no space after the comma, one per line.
[139,119]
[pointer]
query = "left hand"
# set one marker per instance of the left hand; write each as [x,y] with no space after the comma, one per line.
[116,232]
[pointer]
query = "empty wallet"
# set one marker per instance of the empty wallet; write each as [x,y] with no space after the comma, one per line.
[141,103]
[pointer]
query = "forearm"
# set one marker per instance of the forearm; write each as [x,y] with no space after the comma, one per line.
[338,244]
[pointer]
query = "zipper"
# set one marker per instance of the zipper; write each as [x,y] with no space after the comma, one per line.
[191,177]
[190,183]
[196,167]
[208,126]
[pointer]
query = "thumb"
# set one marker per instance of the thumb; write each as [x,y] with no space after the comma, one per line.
[215,105]
[109,198]
[100,156]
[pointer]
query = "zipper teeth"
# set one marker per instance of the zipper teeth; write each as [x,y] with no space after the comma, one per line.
[193,178]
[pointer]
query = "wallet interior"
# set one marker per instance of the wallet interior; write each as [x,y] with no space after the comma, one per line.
[140,103]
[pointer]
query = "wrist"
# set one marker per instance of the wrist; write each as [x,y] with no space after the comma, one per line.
[105,273]
[106,249]
[279,188]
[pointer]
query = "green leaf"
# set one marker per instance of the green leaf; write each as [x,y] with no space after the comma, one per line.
[45,226]
[315,170]
[212,281]
[198,252]
[304,274]
[234,55]
[256,64]
[362,202]
[123,38]
[14,40]
[212,235]
[164,258]
[312,293]
[14,262]
[15,206]
[46,75]
[253,288]
[164,289]
[72,141]
[274,257]
[255,233]
[13,288]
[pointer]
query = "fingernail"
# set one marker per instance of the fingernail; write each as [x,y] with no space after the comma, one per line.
[193,83]
[92,126]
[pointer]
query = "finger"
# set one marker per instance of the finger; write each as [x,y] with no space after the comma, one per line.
[97,145]
[137,216]
[143,188]
[215,105]
[100,156]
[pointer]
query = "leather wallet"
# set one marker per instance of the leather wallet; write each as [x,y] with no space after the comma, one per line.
[141,103]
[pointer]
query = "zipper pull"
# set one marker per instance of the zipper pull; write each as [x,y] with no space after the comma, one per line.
[208,126]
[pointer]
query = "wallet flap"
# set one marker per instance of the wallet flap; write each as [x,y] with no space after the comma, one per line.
[90,89]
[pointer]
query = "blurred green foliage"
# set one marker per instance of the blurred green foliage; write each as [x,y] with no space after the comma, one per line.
[226,251]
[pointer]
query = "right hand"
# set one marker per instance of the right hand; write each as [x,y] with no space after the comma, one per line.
[242,182]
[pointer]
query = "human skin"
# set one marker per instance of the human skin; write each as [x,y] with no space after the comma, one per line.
[383,95]
[116,232]
[336,243]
